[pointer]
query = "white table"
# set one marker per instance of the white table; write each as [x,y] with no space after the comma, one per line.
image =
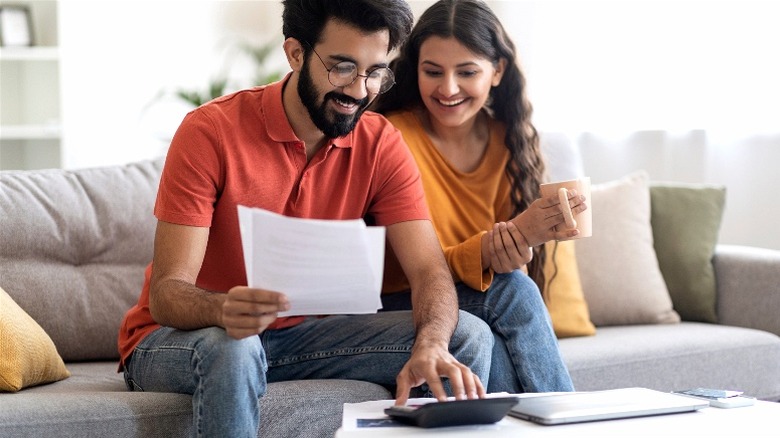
[759,420]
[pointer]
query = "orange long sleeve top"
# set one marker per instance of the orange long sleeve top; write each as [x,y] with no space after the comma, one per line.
[463,206]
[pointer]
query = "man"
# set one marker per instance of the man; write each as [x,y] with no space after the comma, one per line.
[301,147]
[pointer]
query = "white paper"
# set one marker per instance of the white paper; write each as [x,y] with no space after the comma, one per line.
[324,267]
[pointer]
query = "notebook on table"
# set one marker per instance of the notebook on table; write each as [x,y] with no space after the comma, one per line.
[577,407]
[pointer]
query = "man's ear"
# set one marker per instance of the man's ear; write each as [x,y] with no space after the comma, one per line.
[294,52]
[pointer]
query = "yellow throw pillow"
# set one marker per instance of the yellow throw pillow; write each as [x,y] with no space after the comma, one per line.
[28,356]
[563,292]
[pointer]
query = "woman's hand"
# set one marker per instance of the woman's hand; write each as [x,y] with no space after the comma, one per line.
[538,222]
[506,248]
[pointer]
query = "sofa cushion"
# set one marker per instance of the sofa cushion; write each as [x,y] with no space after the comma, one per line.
[686,220]
[563,292]
[669,357]
[94,401]
[76,243]
[27,354]
[619,270]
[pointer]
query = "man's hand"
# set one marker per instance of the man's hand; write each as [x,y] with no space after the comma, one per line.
[538,222]
[431,363]
[247,311]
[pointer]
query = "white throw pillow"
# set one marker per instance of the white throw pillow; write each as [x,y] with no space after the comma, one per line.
[620,275]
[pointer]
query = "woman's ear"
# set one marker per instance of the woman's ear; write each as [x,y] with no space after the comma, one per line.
[499,73]
[294,52]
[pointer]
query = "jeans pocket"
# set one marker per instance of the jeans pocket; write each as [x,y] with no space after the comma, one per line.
[130,383]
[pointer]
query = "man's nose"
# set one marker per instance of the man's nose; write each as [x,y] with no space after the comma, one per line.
[357,89]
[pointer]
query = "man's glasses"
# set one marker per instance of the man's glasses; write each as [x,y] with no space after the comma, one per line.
[343,74]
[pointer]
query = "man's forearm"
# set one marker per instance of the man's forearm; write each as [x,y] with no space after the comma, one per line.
[435,309]
[178,304]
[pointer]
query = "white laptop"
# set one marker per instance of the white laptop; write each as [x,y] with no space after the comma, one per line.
[577,407]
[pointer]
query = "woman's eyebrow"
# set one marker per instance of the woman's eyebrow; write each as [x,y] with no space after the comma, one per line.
[462,64]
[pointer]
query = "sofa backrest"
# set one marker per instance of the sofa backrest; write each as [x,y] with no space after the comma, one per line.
[73,248]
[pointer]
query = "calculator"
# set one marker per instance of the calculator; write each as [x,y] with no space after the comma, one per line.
[454,413]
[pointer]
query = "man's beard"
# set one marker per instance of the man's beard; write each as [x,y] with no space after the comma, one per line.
[331,123]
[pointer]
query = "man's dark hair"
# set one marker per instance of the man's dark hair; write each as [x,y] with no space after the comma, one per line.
[305,19]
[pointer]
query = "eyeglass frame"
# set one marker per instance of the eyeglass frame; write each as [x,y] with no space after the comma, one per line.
[391,75]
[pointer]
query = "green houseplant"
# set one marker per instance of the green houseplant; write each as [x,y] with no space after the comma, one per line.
[259,54]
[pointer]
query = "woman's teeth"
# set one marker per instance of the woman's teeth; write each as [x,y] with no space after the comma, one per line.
[451,102]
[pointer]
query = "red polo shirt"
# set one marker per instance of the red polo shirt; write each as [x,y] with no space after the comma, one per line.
[241,149]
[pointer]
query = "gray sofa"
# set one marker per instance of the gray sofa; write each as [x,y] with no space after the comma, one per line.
[73,246]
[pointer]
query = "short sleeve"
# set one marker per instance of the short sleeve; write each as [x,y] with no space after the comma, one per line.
[192,175]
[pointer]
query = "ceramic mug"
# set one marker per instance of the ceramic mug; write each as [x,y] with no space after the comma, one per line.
[582,221]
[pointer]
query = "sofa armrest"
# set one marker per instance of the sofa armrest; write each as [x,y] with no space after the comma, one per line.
[748,284]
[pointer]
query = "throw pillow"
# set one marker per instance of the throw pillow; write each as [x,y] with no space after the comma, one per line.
[686,220]
[28,356]
[621,278]
[563,292]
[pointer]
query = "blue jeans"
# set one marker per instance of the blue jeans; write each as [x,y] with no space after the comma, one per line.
[526,357]
[227,377]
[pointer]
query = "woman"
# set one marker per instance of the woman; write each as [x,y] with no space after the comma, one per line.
[460,103]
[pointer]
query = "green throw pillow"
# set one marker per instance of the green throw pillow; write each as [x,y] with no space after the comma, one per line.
[686,219]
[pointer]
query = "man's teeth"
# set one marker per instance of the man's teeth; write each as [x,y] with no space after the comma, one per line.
[343,103]
[451,102]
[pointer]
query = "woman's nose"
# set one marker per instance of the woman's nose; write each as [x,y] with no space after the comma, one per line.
[449,85]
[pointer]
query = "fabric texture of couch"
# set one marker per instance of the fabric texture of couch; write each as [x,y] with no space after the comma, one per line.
[73,247]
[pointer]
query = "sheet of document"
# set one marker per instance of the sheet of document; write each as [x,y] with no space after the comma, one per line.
[324,267]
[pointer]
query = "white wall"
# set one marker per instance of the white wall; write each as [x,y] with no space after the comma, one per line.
[746,165]
[119,55]
[650,64]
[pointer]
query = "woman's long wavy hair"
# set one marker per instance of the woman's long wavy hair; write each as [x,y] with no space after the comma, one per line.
[474,25]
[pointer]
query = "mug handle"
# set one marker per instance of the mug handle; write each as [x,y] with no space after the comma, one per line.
[568,217]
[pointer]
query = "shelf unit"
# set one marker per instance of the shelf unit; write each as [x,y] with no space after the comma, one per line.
[30,122]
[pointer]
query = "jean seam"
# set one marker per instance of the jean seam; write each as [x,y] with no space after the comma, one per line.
[198,389]
[338,353]
[163,348]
